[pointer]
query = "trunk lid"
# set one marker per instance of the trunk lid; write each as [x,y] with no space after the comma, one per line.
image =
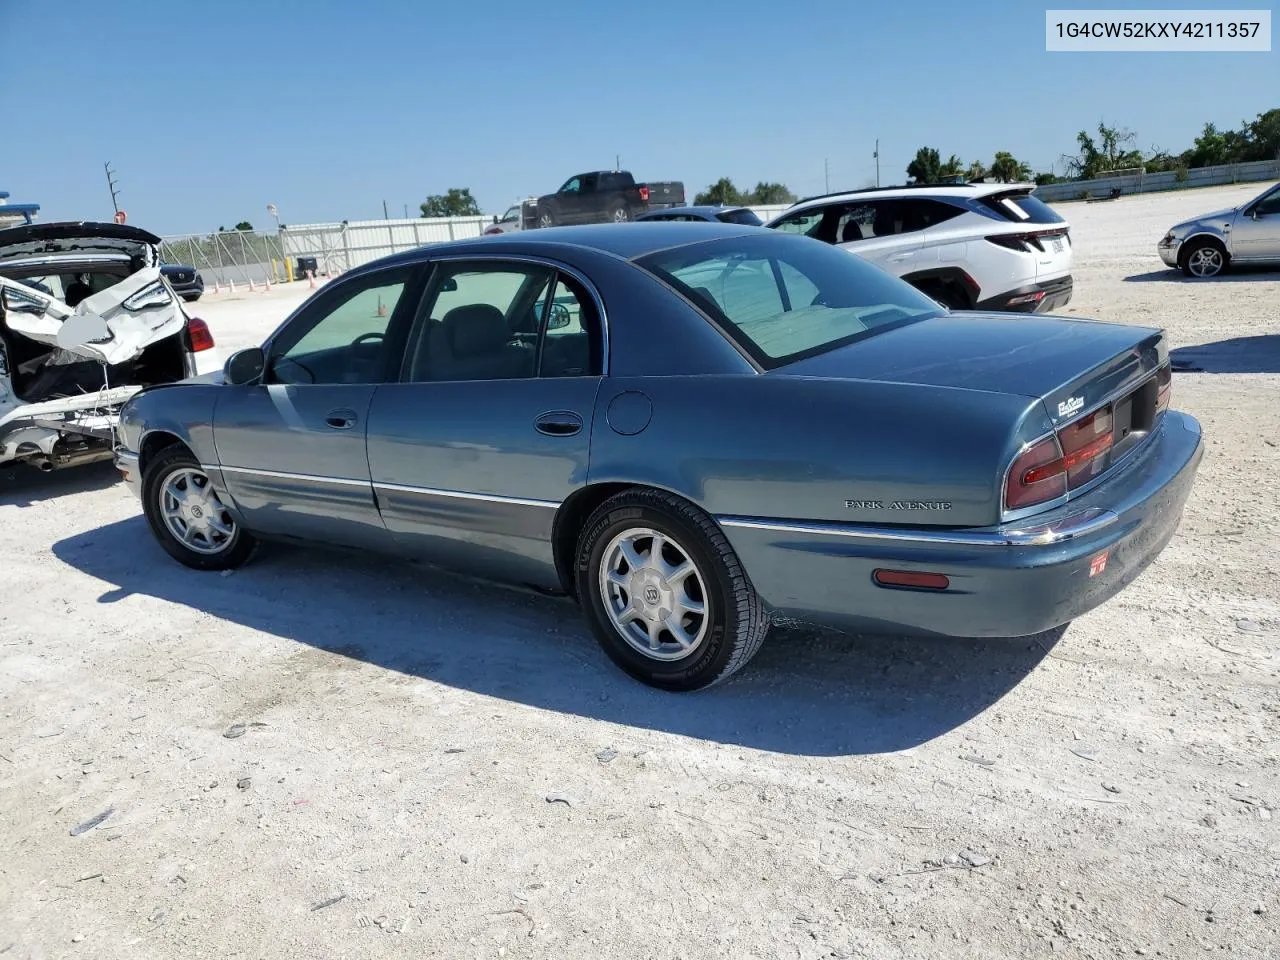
[1071,365]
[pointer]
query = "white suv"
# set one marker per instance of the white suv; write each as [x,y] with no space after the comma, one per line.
[977,246]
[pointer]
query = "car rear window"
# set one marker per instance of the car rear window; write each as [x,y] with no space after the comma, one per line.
[747,217]
[1021,208]
[784,298]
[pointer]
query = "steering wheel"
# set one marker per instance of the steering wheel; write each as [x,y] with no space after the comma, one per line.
[366,338]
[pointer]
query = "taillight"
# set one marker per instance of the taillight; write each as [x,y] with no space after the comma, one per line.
[1031,479]
[1164,388]
[1070,459]
[1085,444]
[644,194]
[198,335]
[1010,242]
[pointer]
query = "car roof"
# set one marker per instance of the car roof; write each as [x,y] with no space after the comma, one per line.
[626,240]
[954,190]
[72,230]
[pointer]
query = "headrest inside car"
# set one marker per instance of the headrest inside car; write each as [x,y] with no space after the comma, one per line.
[475,329]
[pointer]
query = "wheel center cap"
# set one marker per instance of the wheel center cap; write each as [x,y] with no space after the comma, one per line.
[196,513]
[651,596]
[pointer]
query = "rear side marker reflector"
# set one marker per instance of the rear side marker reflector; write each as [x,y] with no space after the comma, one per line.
[1098,564]
[909,578]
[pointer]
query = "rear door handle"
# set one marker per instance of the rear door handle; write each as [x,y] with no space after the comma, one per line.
[340,419]
[560,423]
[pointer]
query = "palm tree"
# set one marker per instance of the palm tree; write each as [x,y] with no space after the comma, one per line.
[1007,169]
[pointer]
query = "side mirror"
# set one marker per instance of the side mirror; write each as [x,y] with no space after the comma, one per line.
[448,286]
[495,218]
[245,366]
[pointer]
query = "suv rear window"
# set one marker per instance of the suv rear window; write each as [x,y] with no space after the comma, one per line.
[1021,208]
[616,181]
[782,298]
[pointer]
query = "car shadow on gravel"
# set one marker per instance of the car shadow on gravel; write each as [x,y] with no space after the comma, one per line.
[1237,274]
[807,692]
[1260,354]
[22,485]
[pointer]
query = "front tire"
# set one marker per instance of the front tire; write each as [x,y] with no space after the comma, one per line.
[665,594]
[187,516]
[1204,258]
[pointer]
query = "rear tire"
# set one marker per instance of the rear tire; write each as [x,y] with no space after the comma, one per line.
[619,213]
[186,515]
[1204,258]
[947,295]
[681,619]
[546,218]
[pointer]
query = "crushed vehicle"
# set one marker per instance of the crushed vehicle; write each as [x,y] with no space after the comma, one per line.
[87,319]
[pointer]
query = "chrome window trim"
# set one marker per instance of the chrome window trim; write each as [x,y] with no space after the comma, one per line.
[1072,527]
[460,495]
[548,262]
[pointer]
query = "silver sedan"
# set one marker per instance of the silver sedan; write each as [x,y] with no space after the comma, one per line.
[1203,247]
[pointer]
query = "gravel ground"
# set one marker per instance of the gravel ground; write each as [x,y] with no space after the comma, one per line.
[335,756]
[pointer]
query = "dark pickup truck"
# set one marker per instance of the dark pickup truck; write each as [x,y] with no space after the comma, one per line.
[605,196]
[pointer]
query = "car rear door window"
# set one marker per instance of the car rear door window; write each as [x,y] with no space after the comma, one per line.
[480,321]
[572,339]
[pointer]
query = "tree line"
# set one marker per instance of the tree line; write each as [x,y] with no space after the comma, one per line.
[1112,149]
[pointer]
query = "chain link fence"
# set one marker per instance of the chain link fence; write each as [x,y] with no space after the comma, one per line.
[229,256]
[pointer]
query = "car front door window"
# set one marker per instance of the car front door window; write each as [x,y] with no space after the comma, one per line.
[345,338]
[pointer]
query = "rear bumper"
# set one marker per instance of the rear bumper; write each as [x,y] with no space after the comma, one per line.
[1006,581]
[1032,297]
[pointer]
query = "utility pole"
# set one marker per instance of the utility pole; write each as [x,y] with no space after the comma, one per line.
[111,185]
[406,211]
[617,162]
[877,156]
[826,175]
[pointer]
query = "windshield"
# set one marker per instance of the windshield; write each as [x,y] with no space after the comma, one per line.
[783,298]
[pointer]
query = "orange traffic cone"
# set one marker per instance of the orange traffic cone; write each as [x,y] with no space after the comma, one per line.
[251,286]
[232,285]
[266,284]
[311,279]
[382,308]
[217,285]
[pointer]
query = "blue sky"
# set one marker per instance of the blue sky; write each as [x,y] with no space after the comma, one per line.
[210,110]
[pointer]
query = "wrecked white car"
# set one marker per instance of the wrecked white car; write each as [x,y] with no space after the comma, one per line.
[87,319]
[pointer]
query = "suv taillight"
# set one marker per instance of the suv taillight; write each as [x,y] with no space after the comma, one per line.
[198,335]
[644,194]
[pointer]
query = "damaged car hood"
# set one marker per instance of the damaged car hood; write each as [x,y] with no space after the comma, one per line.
[113,326]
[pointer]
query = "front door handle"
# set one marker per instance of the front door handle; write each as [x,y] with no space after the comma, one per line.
[341,419]
[560,423]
